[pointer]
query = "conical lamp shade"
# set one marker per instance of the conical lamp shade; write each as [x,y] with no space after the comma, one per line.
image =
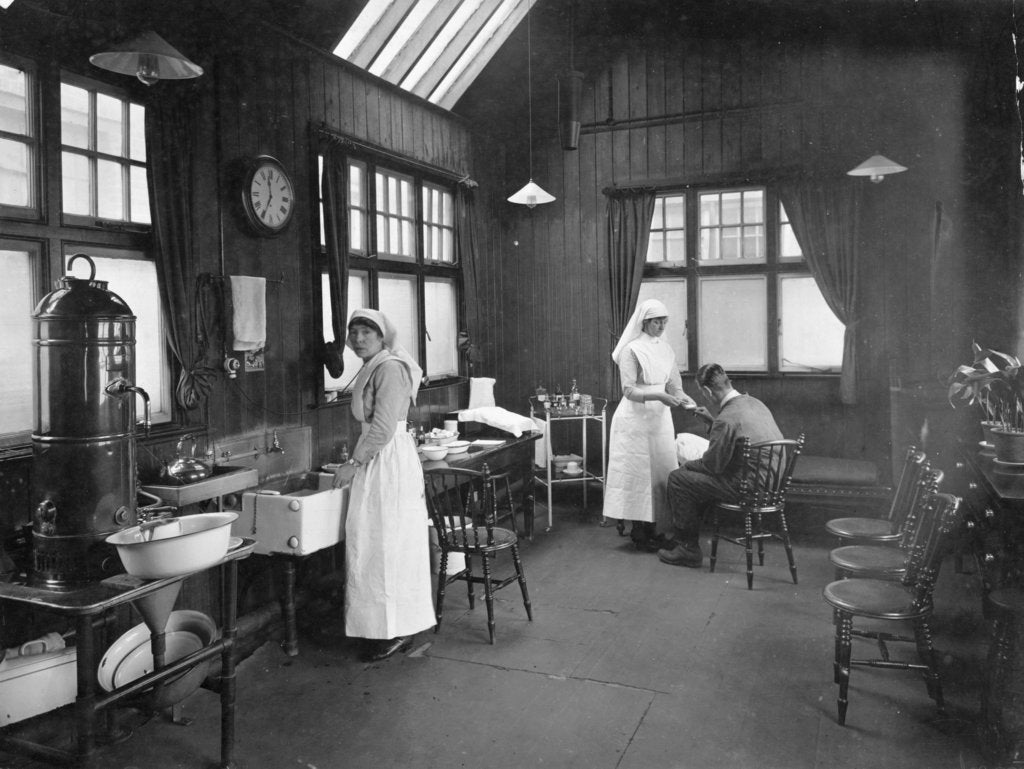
[149,58]
[876,167]
[531,195]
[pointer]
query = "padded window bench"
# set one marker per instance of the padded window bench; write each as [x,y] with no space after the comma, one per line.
[832,481]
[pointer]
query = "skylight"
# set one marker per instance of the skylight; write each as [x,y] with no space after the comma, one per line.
[432,48]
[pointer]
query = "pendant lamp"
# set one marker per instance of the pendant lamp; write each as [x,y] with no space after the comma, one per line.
[876,167]
[531,194]
[149,57]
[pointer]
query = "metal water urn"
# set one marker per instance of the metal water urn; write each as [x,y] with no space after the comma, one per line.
[83,445]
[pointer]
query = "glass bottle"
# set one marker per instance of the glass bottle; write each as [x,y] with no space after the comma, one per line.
[574,395]
[559,397]
[542,393]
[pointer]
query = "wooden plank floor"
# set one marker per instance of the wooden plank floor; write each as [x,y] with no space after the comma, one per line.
[629,664]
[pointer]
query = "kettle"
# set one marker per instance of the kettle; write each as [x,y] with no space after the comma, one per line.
[186,469]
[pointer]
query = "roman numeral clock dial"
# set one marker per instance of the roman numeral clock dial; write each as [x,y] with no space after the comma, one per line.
[267,196]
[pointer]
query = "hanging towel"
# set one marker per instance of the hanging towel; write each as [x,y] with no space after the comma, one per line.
[249,312]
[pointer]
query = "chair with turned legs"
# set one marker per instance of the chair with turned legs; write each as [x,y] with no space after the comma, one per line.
[884,530]
[766,470]
[463,507]
[885,561]
[908,601]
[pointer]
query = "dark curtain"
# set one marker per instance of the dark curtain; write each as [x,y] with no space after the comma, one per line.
[467,254]
[335,194]
[170,131]
[824,217]
[629,230]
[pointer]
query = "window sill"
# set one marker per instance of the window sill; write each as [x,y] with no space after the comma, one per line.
[345,397]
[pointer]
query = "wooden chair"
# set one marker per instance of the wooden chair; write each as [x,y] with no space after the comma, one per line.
[463,507]
[887,529]
[909,600]
[767,468]
[885,561]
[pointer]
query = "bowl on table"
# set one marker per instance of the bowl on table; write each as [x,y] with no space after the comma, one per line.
[458,447]
[434,453]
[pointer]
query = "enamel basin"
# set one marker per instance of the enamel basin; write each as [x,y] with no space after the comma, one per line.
[296,515]
[173,547]
[224,479]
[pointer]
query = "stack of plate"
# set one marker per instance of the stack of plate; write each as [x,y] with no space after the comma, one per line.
[130,657]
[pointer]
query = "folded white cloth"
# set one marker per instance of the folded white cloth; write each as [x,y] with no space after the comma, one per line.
[495,416]
[249,312]
[690,446]
[481,392]
[540,448]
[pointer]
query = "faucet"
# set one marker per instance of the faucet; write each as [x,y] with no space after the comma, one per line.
[275,445]
[120,386]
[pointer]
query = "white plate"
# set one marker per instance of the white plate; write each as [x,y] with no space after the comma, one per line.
[1008,464]
[234,542]
[570,472]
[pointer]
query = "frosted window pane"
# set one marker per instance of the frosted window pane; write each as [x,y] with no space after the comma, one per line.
[75,182]
[397,295]
[671,293]
[140,195]
[674,212]
[14,101]
[732,322]
[74,116]
[357,297]
[16,341]
[811,335]
[109,125]
[134,280]
[110,190]
[14,173]
[656,247]
[753,207]
[658,219]
[442,319]
[675,246]
[731,207]
[708,210]
[137,127]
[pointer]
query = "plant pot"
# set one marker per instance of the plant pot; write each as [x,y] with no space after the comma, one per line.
[1009,443]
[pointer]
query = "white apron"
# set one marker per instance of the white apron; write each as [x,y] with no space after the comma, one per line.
[387,546]
[642,449]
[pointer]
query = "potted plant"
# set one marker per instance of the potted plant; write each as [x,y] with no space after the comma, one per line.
[995,382]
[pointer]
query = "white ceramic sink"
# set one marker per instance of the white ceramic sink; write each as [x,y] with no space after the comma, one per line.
[295,516]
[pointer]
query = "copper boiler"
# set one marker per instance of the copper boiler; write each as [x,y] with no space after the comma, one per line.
[83,445]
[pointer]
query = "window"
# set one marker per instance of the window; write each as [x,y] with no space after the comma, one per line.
[402,261]
[103,155]
[93,168]
[738,289]
[18,146]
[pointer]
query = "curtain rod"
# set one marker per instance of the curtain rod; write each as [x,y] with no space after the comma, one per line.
[366,146]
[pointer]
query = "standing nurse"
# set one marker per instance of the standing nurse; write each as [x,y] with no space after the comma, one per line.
[642,444]
[387,556]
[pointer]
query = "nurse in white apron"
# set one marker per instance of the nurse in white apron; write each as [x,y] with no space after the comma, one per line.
[642,449]
[387,550]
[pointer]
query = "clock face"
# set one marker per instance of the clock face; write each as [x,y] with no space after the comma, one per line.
[270,198]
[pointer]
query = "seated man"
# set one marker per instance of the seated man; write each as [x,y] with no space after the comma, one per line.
[700,482]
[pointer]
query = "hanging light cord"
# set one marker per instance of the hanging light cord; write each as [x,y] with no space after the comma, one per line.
[529,85]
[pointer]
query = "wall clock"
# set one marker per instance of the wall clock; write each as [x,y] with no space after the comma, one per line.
[268,196]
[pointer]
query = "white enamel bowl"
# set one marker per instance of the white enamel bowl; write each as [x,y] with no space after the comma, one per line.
[202,542]
[434,453]
[457,447]
[131,657]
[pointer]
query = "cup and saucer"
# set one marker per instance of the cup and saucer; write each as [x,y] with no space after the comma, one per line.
[572,468]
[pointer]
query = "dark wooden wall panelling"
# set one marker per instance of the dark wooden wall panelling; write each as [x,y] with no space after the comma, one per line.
[266,105]
[716,111]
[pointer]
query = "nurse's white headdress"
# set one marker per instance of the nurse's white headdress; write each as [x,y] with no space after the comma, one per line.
[647,309]
[392,344]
